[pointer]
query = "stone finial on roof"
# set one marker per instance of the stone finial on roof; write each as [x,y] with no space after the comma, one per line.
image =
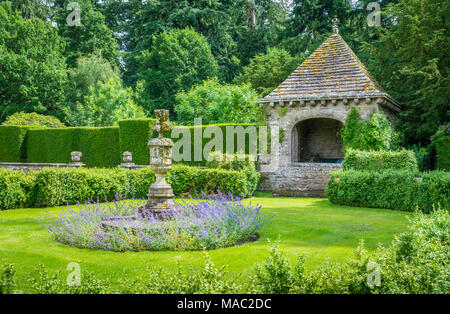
[335,25]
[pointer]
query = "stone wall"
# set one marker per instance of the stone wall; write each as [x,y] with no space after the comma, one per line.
[298,179]
[25,167]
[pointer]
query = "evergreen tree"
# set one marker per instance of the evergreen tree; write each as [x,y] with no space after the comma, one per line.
[32,68]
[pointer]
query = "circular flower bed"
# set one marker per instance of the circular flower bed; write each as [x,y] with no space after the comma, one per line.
[195,224]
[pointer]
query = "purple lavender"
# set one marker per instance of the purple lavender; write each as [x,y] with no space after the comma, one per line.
[208,222]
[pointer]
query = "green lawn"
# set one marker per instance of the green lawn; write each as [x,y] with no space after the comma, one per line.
[314,226]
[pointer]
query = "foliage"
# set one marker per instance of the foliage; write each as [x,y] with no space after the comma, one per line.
[105,105]
[409,56]
[133,137]
[89,72]
[195,181]
[267,70]
[415,263]
[374,134]
[215,222]
[33,72]
[217,103]
[179,59]
[12,139]
[237,162]
[100,146]
[398,190]
[7,273]
[91,36]
[379,160]
[16,189]
[33,119]
[55,186]
[441,142]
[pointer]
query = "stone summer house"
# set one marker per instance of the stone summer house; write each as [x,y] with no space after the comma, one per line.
[310,107]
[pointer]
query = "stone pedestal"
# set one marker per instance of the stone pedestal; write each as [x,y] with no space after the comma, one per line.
[160,195]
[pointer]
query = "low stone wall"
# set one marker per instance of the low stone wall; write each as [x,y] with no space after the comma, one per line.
[25,167]
[298,179]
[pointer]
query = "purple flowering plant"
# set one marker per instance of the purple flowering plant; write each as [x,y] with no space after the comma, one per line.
[209,222]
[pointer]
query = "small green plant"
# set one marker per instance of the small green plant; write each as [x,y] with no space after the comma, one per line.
[7,279]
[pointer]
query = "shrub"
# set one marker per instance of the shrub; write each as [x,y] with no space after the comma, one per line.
[58,186]
[374,134]
[379,160]
[33,119]
[133,137]
[398,190]
[12,143]
[16,188]
[100,146]
[7,279]
[188,180]
[237,162]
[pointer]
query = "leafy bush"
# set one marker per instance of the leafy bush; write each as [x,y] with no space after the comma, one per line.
[217,103]
[187,180]
[100,146]
[58,186]
[16,189]
[379,160]
[33,119]
[12,143]
[133,137]
[398,190]
[237,162]
[374,134]
[215,222]
[7,279]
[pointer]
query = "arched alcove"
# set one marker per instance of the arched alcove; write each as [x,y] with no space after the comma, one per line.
[316,140]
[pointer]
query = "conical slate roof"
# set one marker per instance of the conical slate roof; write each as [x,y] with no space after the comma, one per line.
[332,70]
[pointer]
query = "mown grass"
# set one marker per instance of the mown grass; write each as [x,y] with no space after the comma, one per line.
[315,227]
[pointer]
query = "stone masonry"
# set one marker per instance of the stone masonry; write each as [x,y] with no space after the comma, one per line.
[310,107]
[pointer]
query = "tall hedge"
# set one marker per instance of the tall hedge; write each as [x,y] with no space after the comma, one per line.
[12,139]
[135,133]
[133,137]
[442,145]
[100,146]
[399,190]
[380,160]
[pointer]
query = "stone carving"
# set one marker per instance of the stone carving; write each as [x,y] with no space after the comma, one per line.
[160,195]
[76,157]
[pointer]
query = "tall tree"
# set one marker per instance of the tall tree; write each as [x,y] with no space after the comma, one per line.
[310,22]
[32,68]
[178,60]
[92,35]
[411,60]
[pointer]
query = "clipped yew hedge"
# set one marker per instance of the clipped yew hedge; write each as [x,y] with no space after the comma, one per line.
[133,137]
[100,146]
[393,189]
[12,147]
[380,160]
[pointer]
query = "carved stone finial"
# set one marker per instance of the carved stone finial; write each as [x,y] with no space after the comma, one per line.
[335,25]
[162,122]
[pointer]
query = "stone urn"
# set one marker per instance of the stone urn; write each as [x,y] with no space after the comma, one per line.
[127,157]
[160,194]
[76,157]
